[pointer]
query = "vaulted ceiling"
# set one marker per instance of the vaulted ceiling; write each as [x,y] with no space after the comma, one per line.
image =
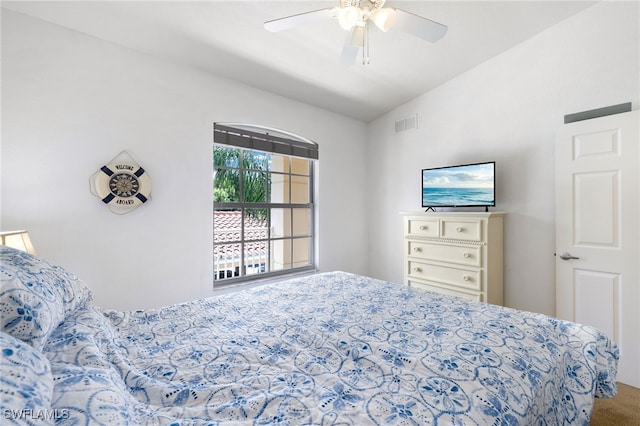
[228,39]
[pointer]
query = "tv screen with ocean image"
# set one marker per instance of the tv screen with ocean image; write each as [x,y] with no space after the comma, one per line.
[459,186]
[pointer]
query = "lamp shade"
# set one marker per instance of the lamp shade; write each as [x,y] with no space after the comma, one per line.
[383,18]
[348,16]
[19,240]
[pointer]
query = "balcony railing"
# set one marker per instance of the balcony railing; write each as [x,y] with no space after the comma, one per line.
[227,259]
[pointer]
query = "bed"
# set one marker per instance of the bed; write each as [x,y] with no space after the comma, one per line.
[326,349]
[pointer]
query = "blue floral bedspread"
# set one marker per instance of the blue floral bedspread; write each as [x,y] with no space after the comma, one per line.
[326,349]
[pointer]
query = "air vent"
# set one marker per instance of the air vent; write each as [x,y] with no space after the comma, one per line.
[408,123]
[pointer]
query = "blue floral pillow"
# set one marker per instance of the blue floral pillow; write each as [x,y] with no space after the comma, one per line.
[36,296]
[26,383]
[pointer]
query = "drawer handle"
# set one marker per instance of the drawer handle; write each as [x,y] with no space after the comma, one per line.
[467,255]
[460,229]
[466,278]
[417,249]
[416,269]
[423,227]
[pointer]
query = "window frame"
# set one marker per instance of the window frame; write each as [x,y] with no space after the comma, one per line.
[272,141]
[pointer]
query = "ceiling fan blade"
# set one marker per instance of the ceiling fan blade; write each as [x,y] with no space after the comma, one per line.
[418,26]
[349,51]
[298,20]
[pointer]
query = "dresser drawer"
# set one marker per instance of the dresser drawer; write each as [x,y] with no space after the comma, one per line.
[423,227]
[462,255]
[461,230]
[464,278]
[474,297]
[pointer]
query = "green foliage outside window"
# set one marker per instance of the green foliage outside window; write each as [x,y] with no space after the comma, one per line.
[256,181]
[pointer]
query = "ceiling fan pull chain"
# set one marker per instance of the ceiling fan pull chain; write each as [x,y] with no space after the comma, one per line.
[366,58]
[368,43]
[365,45]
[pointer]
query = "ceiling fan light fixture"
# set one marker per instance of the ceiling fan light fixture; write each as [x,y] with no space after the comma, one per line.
[383,18]
[348,16]
[355,18]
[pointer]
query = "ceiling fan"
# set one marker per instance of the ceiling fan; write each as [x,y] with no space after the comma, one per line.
[355,15]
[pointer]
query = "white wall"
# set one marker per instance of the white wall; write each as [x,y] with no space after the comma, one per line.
[71,102]
[508,110]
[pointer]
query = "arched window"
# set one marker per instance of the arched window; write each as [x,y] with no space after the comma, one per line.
[263,203]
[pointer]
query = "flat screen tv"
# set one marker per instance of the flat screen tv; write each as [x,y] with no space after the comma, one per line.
[467,185]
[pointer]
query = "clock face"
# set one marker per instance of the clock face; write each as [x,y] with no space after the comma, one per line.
[124,185]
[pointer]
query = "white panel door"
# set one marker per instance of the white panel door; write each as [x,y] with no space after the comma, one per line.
[598,231]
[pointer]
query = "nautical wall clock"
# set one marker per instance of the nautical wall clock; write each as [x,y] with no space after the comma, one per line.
[121,184]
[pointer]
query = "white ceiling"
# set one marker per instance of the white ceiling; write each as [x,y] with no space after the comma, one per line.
[228,39]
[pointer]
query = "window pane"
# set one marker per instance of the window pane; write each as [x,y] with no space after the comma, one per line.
[280,223]
[226,183]
[255,257]
[301,222]
[255,160]
[279,163]
[299,166]
[226,260]
[280,254]
[225,156]
[255,224]
[301,252]
[255,187]
[279,188]
[299,189]
[226,226]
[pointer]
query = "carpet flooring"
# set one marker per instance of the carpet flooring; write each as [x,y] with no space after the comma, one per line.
[621,410]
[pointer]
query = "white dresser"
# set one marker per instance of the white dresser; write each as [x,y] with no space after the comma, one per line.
[456,253]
